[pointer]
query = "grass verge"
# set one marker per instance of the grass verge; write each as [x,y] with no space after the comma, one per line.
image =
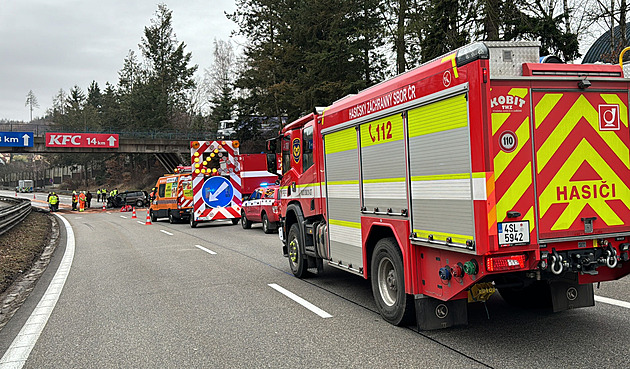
[22,246]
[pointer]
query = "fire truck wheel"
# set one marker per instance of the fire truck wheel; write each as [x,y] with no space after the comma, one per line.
[171,218]
[193,224]
[266,226]
[246,224]
[235,221]
[388,283]
[296,261]
[153,217]
[536,295]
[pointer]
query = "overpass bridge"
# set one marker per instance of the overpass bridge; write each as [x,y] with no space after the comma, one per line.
[170,148]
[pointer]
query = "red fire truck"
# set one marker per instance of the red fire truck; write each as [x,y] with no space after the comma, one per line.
[481,169]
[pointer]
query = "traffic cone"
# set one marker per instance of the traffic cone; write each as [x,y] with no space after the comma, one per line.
[133,215]
[104,207]
[34,196]
[148,221]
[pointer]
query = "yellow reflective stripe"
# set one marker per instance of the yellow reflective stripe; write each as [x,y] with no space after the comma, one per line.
[530,216]
[341,141]
[441,177]
[497,121]
[384,180]
[514,192]
[479,175]
[520,92]
[344,223]
[544,106]
[440,116]
[503,159]
[333,183]
[383,130]
[303,185]
[439,236]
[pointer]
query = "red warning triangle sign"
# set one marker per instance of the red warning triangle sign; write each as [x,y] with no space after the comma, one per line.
[585,173]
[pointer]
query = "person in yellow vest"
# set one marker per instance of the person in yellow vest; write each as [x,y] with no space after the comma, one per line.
[75,200]
[82,201]
[53,202]
[98,194]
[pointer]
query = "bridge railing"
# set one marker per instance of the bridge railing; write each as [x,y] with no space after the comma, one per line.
[41,129]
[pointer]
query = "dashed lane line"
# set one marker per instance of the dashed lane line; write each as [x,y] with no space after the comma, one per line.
[300,301]
[166,232]
[140,222]
[205,249]
[122,216]
[20,349]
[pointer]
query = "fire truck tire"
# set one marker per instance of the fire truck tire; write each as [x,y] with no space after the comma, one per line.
[297,262]
[171,218]
[246,224]
[536,295]
[193,224]
[235,221]
[153,217]
[388,283]
[266,226]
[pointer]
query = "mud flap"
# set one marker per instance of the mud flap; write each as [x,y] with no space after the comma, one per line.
[433,314]
[567,295]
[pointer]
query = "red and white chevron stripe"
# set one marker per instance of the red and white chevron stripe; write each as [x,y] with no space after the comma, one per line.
[229,168]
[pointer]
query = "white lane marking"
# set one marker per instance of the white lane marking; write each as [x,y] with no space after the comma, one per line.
[205,249]
[607,300]
[140,222]
[300,301]
[20,349]
[122,216]
[168,233]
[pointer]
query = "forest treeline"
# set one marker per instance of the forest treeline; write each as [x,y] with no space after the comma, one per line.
[301,54]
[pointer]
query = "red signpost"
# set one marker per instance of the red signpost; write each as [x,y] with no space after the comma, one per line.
[94,140]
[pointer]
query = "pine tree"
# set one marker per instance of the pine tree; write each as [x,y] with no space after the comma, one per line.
[169,74]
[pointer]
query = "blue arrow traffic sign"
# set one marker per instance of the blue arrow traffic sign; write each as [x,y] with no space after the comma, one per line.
[217,192]
[16,139]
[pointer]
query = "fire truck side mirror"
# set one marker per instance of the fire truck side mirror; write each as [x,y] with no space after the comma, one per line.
[272,163]
[271,145]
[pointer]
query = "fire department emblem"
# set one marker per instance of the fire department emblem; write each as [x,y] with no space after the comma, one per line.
[609,117]
[297,150]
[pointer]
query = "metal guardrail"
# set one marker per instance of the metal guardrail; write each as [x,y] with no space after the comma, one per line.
[14,214]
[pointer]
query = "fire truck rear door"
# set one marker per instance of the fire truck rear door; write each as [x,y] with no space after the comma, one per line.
[582,173]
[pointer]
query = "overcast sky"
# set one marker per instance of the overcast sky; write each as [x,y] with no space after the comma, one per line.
[46,45]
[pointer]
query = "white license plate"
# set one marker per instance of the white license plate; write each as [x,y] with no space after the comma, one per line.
[280,234]
[513,233]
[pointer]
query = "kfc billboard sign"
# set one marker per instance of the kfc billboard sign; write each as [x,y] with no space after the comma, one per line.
[93,140]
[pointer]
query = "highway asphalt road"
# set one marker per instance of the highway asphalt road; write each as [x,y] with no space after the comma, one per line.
[166,295]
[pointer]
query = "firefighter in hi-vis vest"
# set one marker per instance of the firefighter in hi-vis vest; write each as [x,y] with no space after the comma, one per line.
[82,201]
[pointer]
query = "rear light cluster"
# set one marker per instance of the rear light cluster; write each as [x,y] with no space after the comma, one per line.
[501,263]
[275,207]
